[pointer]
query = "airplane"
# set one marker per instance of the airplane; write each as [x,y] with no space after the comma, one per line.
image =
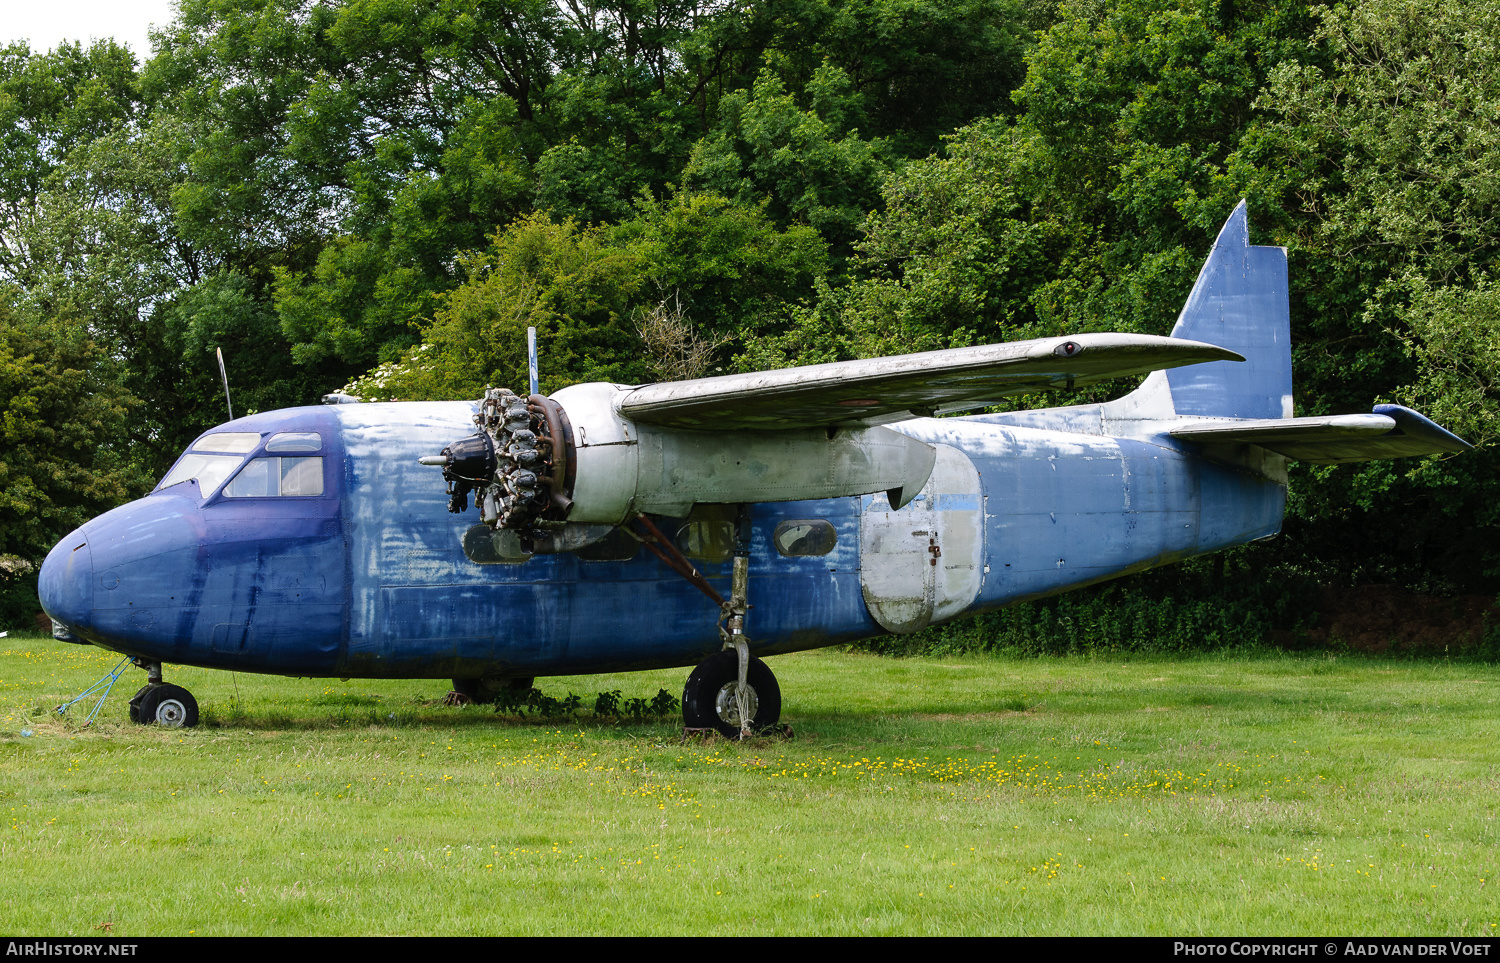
[709,523]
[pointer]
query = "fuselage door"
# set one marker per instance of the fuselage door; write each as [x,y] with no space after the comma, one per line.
[924,563]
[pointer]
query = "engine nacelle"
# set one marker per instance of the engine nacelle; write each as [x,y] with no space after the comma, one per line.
[625,467]
[573,462]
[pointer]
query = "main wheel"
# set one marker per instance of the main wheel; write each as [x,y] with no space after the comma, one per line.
[486,691]
[171,706]
[708,699]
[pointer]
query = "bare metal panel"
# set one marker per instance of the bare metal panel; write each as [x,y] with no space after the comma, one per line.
[881,390]
[924,563]
[1391,431]
[680,469]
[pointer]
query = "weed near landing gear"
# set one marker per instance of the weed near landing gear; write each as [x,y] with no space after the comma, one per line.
[488,691]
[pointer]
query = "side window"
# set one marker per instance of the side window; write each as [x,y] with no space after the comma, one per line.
[274,477]
[254,480]
[708,535]
[301,476]
[804,536]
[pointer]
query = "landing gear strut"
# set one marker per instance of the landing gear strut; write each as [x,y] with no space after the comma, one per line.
[170,706]
[730,691]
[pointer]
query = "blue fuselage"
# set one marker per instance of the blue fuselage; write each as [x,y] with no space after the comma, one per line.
[370,579]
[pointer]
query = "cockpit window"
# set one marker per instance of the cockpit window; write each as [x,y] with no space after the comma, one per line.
[240,442]
[276,477]
[295,441]
[210,470]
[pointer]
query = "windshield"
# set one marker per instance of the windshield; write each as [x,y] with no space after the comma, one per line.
[210,470]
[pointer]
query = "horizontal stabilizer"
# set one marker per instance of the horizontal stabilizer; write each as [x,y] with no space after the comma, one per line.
[881,390]
[1391,431]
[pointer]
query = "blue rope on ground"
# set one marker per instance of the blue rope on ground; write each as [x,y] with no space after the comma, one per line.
[108,682]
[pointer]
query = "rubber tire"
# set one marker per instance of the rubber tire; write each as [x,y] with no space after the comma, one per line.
[700,694]
[135,702]
[170,706]
[487,691]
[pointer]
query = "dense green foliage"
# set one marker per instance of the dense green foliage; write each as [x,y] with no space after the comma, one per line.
[64,460]
[386,193]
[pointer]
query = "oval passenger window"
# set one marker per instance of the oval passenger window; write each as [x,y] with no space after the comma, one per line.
[805,536]
[707,540]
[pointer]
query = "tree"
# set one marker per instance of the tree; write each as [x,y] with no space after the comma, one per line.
[678,352]
[64,419]
[808,165]
[50,105]
[1389,147]
[1401,160]
[585,290]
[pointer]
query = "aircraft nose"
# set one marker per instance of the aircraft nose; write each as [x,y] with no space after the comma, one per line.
[65,584]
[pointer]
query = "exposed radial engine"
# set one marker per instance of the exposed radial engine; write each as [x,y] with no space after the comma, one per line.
[519,464]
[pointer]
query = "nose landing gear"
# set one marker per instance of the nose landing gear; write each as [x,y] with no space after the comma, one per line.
[157,702]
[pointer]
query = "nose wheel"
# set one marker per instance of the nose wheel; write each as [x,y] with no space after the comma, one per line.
[169,706]
[158,703]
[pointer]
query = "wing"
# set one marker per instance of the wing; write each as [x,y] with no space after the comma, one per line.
[1391,431]
[881,390]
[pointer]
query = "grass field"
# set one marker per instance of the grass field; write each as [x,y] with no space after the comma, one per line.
[1265,794]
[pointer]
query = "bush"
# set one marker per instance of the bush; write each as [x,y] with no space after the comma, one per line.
[1204,605]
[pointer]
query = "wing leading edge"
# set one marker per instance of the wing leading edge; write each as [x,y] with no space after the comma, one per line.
[882,390]
[1391,431]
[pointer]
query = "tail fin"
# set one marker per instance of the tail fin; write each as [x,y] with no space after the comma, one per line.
[1240,302]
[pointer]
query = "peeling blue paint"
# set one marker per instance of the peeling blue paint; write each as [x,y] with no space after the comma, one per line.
[370,579]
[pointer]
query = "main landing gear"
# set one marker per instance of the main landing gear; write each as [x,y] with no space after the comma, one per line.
[729,691]
[712,699]
[159,703]
[485,691]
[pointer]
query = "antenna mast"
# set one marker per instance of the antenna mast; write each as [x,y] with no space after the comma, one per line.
[531,358]
[225,375]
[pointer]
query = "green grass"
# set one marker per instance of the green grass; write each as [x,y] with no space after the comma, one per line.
[1264,794]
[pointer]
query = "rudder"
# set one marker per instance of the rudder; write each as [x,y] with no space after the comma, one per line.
[1240,302]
